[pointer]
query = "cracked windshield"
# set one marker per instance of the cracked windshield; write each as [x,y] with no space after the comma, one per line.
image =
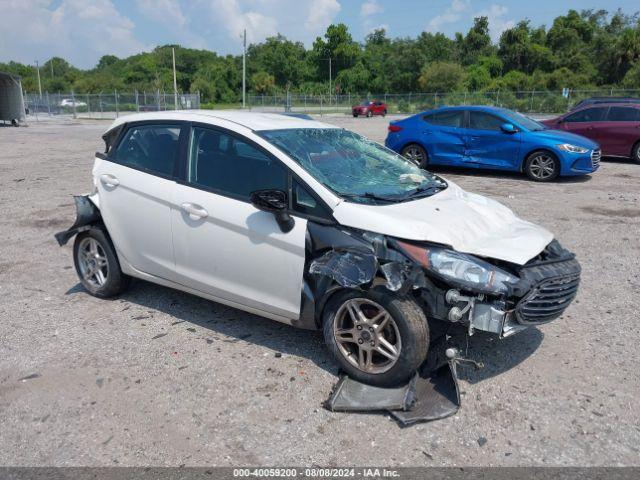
[353,167]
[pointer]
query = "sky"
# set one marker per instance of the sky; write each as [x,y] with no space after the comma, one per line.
[81,31]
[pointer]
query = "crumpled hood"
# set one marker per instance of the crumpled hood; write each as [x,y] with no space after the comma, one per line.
[467,222]
[567,137]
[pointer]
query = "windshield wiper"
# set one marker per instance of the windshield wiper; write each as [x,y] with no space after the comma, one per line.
[371,196]
[424,191]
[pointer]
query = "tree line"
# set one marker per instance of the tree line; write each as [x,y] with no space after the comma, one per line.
[580,50]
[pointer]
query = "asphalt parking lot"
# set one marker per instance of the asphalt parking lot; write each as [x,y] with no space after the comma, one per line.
[160,377]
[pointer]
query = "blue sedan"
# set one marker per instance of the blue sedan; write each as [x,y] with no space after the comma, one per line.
[493,138]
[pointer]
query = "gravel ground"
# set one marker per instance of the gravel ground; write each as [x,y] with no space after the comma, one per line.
[159,377]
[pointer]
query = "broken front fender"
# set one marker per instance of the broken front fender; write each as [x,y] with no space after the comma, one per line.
[87,214]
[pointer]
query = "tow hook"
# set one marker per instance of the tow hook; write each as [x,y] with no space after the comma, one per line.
[453,355]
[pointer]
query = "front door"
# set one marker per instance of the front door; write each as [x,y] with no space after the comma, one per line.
[586,122]
[136,183]
[226,247]
[486,143]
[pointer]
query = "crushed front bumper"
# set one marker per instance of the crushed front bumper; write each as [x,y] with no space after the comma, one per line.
[544,292]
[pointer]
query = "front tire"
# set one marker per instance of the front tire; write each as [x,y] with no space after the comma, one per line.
[384,112]
[379,338]
[369,114]
[355,115]
[416,154]
[542,166]
[635,153]
[97,265]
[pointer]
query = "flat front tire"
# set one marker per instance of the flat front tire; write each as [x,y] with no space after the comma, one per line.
[542,166]
[378,337]
[97,265]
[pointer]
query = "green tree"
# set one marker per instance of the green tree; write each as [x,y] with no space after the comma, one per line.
[441,77]
[262,83]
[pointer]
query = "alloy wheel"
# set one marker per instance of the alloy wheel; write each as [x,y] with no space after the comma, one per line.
[92,259]
[415,154]
[542,166]
[367,336]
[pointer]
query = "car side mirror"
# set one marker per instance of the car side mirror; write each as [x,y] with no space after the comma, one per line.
[508,128]
[276,202]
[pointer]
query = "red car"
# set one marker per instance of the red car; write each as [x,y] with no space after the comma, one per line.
[369,108]
[615,126]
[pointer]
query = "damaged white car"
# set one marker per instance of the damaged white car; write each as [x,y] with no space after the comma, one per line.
[315,226]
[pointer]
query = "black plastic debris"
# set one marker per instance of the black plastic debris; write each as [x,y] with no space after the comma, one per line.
[436,396]
[349,395]
[430,395]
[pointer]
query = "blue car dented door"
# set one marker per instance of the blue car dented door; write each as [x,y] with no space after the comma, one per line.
[490,142]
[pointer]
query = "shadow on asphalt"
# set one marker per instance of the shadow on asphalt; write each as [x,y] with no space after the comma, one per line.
[477,172]
[497,355]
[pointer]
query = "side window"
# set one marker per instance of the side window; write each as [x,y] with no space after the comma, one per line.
[453,118]
[224,163]
[623,114]
[306,203]
[587,115]
[484,121]
[152,148]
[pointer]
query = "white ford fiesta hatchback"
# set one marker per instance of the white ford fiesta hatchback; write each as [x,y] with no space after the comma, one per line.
[314,226]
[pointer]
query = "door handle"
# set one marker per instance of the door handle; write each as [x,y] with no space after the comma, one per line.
[194,210]
[109,180]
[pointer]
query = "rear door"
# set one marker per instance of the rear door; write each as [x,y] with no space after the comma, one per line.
[136,183]
[620,131]
[443,136]
[587,122]
[226,247]
[487,144]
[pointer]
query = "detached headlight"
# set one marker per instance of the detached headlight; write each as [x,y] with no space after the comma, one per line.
[461,270]
[567,147]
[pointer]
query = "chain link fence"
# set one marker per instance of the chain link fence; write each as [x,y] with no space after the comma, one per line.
[106,105]
[534,101]
[113,104]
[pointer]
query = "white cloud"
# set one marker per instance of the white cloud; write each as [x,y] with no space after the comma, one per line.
[231,15]
[321,14]
[370,8]
[167,12]
[452,14]
[77,30]
[497,21]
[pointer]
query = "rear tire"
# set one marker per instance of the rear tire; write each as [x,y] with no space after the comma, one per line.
[542,166]
[635,153]
[355,115]
[369,114]
[97,264]
[417,154]
[387,343]
[384,112]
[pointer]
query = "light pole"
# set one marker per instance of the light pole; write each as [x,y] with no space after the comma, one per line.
[329,80]
[175,84]
[39,84]
[244,67]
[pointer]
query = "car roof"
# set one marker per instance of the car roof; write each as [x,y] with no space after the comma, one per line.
[608,104]
[471,107]
[253,120]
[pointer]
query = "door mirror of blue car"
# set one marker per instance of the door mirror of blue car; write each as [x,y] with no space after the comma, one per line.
[508,128]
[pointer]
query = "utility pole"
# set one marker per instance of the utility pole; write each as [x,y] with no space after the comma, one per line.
[175,84]
[244,68]
[329,80]
[51,65]
[39,84]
